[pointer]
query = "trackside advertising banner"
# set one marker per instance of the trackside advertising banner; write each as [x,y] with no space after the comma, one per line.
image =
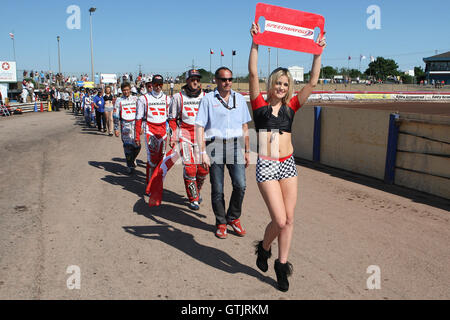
[108,78]
[347,96]
[337,96]
[8,71]
[424,97]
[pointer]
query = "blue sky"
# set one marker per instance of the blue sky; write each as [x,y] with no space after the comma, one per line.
[166,36]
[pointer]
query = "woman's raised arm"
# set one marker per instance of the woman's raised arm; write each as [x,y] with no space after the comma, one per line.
[315,73]
[253,65]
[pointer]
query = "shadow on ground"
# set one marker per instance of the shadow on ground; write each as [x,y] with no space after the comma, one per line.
[168,234]
[186,243]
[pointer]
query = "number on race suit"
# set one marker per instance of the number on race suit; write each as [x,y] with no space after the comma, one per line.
[288,28]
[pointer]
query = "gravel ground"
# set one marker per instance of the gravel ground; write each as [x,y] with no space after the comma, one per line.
[65,200]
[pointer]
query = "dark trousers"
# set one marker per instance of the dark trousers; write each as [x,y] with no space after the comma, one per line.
[101,120]
[55,105]
[131,153]
[75,107]
[227,155]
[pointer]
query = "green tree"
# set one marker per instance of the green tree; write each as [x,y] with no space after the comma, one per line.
[407,79]
[382,68]
[419,74]
[352,73]
[328,72]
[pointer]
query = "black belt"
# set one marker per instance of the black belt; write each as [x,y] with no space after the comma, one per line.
[224,141]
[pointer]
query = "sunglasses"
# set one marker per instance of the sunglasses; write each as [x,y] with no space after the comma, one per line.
[226,79]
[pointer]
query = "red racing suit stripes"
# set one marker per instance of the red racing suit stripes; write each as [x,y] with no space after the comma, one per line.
[182,112]
[152,109]
[125,116]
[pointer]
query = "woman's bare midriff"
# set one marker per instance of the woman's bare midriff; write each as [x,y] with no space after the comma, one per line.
[274,145]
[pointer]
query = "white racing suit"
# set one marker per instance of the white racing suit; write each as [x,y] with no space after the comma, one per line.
[152,109]
[87,109]
[125,116]
[182,112]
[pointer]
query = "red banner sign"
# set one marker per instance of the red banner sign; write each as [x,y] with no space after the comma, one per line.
[288,29]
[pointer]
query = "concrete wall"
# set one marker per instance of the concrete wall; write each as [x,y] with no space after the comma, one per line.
[423,154]
[355,140]
[303,133]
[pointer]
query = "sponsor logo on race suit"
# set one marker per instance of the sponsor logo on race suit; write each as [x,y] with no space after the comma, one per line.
[189,108]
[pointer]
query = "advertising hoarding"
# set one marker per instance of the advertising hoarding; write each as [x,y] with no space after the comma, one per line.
[8,71]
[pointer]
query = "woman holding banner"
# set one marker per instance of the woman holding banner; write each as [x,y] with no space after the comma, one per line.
[276,172]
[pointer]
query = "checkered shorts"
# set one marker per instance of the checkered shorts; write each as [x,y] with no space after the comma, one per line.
[275,169]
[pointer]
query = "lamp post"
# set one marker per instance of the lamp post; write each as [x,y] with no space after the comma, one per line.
[59,62]
[92,10]
[277,58]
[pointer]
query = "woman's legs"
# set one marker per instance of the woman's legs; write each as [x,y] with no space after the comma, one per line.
[289,190]
[109,121]
[280,198]
[271,192]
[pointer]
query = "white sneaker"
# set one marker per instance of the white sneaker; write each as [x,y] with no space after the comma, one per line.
[194,205]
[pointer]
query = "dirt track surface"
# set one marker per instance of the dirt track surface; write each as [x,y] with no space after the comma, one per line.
[65,200]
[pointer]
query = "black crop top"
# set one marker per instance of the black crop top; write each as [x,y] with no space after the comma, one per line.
[265,120]
[108,97]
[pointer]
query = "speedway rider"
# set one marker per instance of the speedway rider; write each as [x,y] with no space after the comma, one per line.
[125,116]
[152,109]
[182,112]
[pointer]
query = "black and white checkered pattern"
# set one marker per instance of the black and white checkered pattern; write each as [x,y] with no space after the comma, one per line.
[275,170]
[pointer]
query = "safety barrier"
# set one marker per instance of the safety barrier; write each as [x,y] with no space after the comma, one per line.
[410,150]
[393,96]
[422,155]
[372,96]
[37,106]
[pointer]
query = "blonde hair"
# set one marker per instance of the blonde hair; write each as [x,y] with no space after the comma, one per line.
[274,77]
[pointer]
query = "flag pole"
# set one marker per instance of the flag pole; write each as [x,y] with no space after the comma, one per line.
[210,71]
[14,46]
[277,58]
[232,60]
[348,69]
[360,58]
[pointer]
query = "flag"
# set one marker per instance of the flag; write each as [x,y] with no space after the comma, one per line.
[362,57]
[221,53]
[11,35]
[234,52]
[349,58]
[211,51]
[155,185]
[372,59]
